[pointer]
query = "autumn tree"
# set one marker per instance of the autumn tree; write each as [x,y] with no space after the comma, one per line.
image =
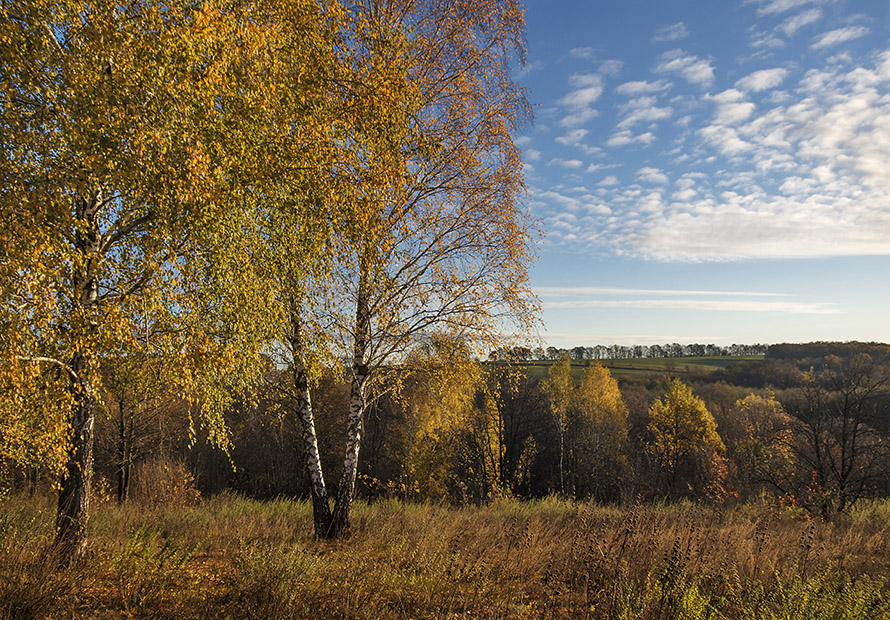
[560,389]
[350,75]
[488,426]
[437,400]
[451,424]
[442,247]
[128,133]
[684,443]
[591,422]
[766,450]
[598,436]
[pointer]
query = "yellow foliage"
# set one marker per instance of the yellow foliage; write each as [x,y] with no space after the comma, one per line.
[136,141]
[680,425]
[767,450]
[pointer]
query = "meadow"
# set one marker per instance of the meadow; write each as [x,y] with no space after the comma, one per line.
[229,557]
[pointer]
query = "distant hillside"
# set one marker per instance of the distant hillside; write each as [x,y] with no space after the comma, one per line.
[812,350]
[642,368]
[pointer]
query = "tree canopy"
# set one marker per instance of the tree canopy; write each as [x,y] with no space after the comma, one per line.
[684,437]
[213,187]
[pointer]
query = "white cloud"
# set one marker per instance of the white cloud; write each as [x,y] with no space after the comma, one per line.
[598,167]
[730,95]
[772,7]
[572,138]
[642,110]
[794,23]
[690,67]
[813,180]
[840,35]
[625,137]
[570,218]
[822,160]
[574,291]
[584,53]
[652,175]
[762,80]
[789,161]
[733,113]
[571,164]
[611,67]
[575,139]
[784,307]
[725,139]
[579,117]
[671,33]
[766,40]
[635,89]
[684,195]
[740,226]
[884,67]
[532,154]
[588,88]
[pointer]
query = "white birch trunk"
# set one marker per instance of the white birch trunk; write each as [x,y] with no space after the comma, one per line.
[360,374]
[346,489]
[321,509]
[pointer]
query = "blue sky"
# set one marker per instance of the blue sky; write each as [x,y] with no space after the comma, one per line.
[711,172]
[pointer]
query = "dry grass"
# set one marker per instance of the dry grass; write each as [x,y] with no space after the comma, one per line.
[232,558]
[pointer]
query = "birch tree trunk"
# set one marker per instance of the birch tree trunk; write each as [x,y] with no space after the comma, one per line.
[74,489]
[346,489]
[321,509]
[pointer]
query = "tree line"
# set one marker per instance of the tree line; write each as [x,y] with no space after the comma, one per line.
[615,351]
[812,433]
[200,199]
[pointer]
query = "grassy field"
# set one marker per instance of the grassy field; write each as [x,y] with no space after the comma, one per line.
[232,558]
[642,368]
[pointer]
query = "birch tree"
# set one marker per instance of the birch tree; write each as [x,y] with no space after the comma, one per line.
[444,247]
[598,431]
[355,83]
[128,131]
[560,389]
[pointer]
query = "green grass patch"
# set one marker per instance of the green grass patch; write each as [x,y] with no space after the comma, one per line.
[644,368]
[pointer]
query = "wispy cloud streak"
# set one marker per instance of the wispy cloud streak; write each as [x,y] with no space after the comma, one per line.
[557,291]
[787,307]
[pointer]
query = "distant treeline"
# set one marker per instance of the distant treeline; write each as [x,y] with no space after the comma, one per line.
[616,351]
[818,350]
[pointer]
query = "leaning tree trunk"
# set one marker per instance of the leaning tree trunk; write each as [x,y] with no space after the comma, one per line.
[74,489]
[346,489]
[321,509]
